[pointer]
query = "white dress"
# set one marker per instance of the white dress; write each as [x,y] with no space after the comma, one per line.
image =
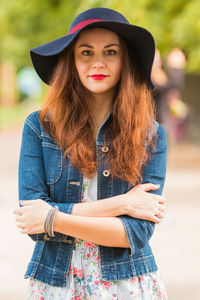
[84,278]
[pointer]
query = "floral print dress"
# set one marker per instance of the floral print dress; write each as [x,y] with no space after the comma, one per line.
[84,280]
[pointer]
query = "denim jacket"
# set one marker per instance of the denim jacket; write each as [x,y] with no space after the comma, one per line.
[43,174]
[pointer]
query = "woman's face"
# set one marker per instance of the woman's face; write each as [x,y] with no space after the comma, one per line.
[98,60]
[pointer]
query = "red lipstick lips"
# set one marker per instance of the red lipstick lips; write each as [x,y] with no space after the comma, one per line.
[98,76]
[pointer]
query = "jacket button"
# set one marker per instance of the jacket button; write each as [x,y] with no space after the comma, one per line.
[105,149]
[106,173]
[46,238]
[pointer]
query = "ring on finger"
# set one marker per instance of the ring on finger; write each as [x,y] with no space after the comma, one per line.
[159,215]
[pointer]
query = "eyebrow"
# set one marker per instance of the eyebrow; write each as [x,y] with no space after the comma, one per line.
[89,46]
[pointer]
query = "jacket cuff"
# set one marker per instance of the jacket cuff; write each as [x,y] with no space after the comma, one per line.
[138,232]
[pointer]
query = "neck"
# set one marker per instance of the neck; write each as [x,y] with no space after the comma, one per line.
[101,108]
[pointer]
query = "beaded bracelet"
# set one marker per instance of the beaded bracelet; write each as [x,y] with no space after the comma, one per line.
[49,221]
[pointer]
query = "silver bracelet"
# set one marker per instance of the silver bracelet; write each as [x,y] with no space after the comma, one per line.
[49,221]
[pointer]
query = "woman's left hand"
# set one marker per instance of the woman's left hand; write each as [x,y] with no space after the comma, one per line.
[31,216]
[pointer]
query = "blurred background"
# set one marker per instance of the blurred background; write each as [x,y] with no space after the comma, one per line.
[175,25]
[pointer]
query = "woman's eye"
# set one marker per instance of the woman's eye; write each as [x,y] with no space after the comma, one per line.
[86,52]
[110,52]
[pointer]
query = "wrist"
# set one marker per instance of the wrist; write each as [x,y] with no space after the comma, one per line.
[57,222]
[123,204]
[60,219]
[49,221]
[126,204]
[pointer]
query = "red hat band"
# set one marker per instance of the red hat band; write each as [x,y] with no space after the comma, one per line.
[83,24]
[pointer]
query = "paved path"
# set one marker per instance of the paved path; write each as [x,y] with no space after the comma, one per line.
[176,241]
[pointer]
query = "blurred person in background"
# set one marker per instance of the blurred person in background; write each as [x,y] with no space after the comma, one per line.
[171,112]
[29,84]
[95,138]
[179,110]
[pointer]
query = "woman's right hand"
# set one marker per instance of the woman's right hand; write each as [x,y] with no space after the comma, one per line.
[143,205]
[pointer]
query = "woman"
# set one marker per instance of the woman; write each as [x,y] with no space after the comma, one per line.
[94,139]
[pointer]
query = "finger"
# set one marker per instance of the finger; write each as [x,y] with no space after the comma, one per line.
[18,211]
[149,186]
[26,202]
[24,230]
[30,202]
[160,215]
[20,225]
[162,199]
[161,207]
[18,218]
[155,219]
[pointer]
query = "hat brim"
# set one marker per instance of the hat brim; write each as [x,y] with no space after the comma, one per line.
[45,57]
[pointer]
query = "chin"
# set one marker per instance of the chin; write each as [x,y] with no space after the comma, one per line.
[97,92]
[100,90]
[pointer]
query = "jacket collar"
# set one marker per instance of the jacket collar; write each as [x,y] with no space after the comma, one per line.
[101,131]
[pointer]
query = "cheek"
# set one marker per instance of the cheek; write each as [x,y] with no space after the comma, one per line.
[81,68]
[120,68]
[117,69]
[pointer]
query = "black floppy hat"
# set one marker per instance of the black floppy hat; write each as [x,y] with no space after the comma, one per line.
[45,57]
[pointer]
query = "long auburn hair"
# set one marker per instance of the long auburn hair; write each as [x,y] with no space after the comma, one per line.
[67,107]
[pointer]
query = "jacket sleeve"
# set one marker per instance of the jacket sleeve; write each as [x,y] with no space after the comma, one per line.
[140,231]
[32,181]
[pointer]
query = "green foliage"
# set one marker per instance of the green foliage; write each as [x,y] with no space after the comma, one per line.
[27,24]
[186,33]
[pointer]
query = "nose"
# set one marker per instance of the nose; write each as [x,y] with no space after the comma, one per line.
[98,62]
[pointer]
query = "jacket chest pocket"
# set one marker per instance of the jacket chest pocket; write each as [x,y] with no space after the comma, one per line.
[53,158]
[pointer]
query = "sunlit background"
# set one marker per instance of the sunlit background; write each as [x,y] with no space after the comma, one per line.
[175,25]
